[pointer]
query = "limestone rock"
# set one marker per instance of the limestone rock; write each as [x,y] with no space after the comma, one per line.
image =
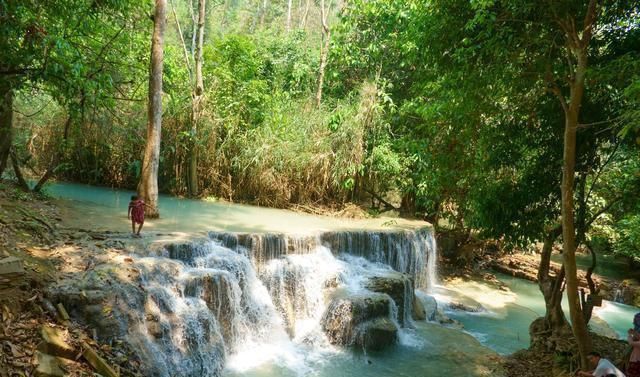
[430,307]
[377,334]
[418,310]
[400,288]
[53,343]
[465,308]
[363,321]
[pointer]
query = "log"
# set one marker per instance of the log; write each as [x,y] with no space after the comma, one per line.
[97,362]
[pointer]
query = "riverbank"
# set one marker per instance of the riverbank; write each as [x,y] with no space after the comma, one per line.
[37,250]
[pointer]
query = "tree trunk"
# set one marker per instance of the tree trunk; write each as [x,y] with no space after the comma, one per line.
[551,286]
[263,13]
[6,123]
[187,62]
[289,16]
[148,186]
[196,105]
[194,26]
[324,51]
[56,158]
[568,228]
[303,19]
[16,169]
[577,48]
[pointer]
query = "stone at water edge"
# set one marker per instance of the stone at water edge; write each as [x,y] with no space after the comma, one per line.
[399,287]
[430,306]
[377,334]
[418,310]
[361,321]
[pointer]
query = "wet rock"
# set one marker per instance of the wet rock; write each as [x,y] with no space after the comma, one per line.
[377,334]
[418,310]
[114,244]
[443,319]
[630,292]
[400,288]
[363,321]
[216,290]
[430,307]
[465,308]
[285,283]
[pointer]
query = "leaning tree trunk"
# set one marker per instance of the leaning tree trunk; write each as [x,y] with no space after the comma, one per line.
[6,123]
[196,105]
[303,19]
[148,186]
[22,183]
[324,52]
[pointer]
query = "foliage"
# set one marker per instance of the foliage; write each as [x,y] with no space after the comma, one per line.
[441,107]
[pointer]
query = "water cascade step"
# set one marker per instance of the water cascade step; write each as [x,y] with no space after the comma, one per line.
[187,307]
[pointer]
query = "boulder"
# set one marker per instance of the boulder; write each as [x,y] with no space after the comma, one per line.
[377,334]
[418,310]
[399,287]
[363,321]
[430,307]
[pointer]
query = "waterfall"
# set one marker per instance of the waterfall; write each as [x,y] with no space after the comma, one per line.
[235,300]
[408,251]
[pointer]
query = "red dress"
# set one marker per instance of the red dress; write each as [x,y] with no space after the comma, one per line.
[137,211]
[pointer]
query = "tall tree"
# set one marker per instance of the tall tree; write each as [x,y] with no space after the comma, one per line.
[577,44]
[532,58]
[324,49]
[196,105]
[148,186]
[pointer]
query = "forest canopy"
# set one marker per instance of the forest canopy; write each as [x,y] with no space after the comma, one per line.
[444,110]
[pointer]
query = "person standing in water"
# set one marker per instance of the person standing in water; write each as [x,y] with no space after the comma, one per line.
[136,214]
[633,338]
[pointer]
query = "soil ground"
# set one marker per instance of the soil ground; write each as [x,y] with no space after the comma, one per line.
[31,230]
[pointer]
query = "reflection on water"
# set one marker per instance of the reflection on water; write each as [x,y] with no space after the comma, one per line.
[106,209]
[607,265]
[504,325]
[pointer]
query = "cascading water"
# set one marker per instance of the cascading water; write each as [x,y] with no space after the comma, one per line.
[235,301]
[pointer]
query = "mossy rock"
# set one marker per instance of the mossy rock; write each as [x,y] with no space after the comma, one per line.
[377,334]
